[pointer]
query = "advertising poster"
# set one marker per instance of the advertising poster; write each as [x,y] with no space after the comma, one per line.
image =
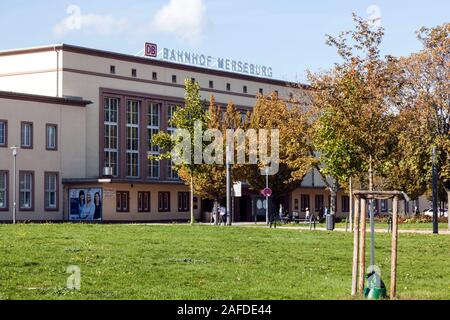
[85,204]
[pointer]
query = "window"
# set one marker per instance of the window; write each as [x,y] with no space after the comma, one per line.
[164,202]
[171,172]
[291,96]
[183,201]
[174,79]
[261,91]
[51,137]
[304,202]
[26,135]
[276,93]
[228,87]
[3,190]
[111,137]
[112,69]
[143,201]
[122,201]
[3,133]
[384,205]
[153,127]
[26,190]
[318,202]
[244,89]
[134,73]
[296,207]
[211,84]
[154,76]
[132,133]
[193,80]
[51,184]
[345,203]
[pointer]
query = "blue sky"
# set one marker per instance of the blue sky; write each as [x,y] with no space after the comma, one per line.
[287,35]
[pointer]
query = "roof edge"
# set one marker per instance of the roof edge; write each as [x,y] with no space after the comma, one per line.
[44,99]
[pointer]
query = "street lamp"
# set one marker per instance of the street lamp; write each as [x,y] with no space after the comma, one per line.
[14,153]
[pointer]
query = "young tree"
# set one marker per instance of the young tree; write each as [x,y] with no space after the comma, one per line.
[186,118]
[355,104]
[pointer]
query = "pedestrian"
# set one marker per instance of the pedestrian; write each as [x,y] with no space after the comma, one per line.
[308,214]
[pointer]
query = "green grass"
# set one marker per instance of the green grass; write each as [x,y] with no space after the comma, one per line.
[382,225]
[202,262]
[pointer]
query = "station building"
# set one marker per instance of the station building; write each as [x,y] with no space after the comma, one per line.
[84,118]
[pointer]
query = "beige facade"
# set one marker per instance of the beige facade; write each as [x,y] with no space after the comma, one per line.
[76,74]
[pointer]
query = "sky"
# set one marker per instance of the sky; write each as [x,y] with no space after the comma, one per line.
[287,35]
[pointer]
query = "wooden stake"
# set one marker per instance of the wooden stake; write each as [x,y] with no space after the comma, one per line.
[362,246]
[394,248]
[355,247]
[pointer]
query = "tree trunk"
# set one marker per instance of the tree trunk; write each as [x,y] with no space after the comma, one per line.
[192,200]
[448,208]
[333,195]
[350,217]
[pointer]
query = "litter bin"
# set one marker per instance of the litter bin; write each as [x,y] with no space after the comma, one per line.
[330,222]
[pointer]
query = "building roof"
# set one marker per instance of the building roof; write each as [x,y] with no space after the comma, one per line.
[44,99]
[147,61]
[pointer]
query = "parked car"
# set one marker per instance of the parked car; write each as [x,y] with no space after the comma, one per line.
[441,212]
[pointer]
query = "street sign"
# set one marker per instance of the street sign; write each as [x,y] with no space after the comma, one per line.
[267,192]
[237,188]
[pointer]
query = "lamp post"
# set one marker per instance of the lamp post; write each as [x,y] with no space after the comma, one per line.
[14,153]
[435,194]
[267,196]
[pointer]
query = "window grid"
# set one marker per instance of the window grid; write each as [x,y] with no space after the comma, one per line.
[132,128]
[171,172]
[3,133]
[26,140]
[51,136]
[3,190]
[51,191]
[26,191]
[122,201]
[111,127]
[153,128]
[144,202]
[183,202]
[164,201]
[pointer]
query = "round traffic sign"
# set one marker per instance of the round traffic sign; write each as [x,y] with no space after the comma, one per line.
[267,192]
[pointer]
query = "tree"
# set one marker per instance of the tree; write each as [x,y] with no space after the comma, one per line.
[425,111]
[186,118]
[354,104]
[295,159]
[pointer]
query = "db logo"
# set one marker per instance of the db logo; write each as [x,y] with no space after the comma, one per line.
[151,50]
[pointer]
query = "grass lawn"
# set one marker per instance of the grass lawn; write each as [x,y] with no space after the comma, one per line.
[202,262]
[382,226]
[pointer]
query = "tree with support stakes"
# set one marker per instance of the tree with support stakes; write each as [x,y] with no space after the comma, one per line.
[375,289]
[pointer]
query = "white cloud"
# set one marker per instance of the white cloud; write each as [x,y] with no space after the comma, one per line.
[89,23]
[184,18]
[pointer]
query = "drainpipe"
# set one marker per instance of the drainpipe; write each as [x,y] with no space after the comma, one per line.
[57,70]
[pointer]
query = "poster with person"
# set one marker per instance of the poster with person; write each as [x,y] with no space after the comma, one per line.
[85,204]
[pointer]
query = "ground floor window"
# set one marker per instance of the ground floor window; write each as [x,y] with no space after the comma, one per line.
[144,201]
[384,205]
[122,201]
[183,201]
[164,202]
[319,203]
[51,191]
[304,202]
[3,190]
[345,204]
[26,190]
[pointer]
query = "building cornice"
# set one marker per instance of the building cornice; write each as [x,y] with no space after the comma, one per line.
[43,99]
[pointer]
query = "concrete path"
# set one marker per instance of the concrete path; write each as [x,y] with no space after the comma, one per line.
[249,224]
